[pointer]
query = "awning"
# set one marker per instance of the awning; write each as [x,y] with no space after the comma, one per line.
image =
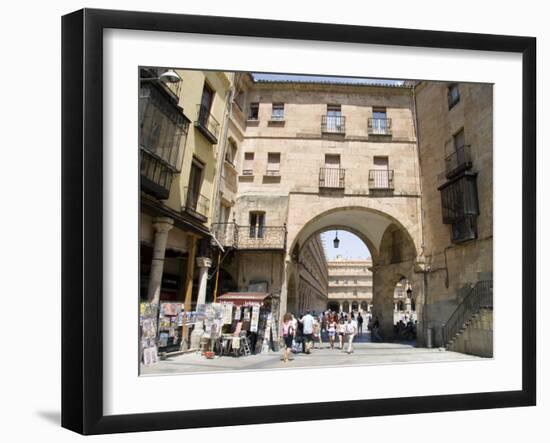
[242,298]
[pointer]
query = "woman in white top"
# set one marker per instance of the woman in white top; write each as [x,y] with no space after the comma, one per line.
[341,333]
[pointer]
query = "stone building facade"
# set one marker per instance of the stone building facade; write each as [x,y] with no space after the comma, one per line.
[455,132]
[291,160]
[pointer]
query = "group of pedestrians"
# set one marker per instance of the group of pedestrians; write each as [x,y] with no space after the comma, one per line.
[301,334]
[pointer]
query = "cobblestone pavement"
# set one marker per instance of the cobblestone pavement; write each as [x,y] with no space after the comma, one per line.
[366,353]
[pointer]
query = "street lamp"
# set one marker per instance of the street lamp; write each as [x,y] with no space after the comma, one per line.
[336,242]
[169,76]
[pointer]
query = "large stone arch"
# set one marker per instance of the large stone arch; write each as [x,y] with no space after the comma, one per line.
[393,247]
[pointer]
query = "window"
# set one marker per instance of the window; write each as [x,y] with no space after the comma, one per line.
[195,185]
[273,163]
[453,95]
[239,100]
[458,140]
[379,123]
[355,292]
[231,152]
[333,122]
[460,207]
[253,111]
[248,166]
[277,111]
[257,224]
[206,105]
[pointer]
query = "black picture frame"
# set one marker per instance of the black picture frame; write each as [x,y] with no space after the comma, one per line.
[82,218]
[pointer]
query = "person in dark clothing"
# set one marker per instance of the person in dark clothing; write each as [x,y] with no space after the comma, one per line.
[360,324]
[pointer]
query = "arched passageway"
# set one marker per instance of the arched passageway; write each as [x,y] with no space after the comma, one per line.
[393,254]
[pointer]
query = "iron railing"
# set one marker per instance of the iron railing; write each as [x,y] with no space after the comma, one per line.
[196,204]
[156,175]
[379,126]
[333,124]
[479,297]
[230,234]
[332,178]
[460,160]
[207,124]
[248,172]
[162,130]
[381,179]
[273,172]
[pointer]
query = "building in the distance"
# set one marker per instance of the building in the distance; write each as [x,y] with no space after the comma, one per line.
[350,289]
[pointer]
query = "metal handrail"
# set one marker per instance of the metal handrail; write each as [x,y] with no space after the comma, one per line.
[458,161]
[207,121]
[333,124]
[196,204]
[334,178]
[381,178]
[230,234]
[479,297]
[379,126]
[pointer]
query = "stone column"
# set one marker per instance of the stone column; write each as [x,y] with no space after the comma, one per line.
[349,307]
[204,264]
[161,225]
[341,307]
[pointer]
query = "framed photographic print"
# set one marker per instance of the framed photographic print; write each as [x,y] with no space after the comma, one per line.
[306,212]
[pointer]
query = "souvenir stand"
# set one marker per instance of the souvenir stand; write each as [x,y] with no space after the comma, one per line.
[247,323]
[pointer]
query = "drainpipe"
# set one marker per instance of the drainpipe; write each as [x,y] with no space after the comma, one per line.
[223,147]
[423,245]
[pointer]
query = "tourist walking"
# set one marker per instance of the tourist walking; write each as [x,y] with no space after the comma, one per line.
[341,333]
[307,324]
[359,324]
[351,331]
[287,331]
[331,331]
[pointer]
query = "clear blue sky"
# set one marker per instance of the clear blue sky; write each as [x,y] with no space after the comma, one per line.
[305,78]
[351,246]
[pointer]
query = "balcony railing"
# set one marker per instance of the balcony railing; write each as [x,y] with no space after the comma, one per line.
[379,126]
[333,124]
[207,124]
[197,205]
[273,172]
[381,179]
[153,75]
[162,127]
[156,174]
[250,236]
[332,178]
[460,160]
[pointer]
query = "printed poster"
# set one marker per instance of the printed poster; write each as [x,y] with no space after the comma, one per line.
[254,319]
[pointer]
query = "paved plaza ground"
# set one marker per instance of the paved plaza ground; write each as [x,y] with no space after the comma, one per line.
[366,353]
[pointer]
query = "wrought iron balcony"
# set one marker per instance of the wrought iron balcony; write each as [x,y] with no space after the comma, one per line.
[381,179]
[460,206]
[379,126]
[333,124]
[156,174]
[332,178]
[196,204]
[163,129]
[250,237]
[460,160]
[207,124]
[272,172]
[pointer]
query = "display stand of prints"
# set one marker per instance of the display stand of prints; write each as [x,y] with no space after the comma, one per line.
[227,313]
[267,334]
[170,324]
[148,334]
[255,318]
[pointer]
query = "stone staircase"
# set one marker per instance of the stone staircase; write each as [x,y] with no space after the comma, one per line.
[469,329]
